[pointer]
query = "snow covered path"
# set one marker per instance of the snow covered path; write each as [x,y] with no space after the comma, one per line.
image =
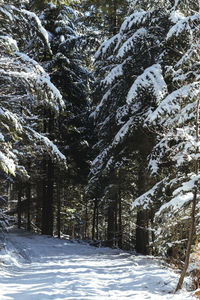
[42,268]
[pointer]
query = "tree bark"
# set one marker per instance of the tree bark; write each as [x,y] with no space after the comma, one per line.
[111,224]
[58,210]
[47,209]
[142,234]
[86,220]
[120,221]
[97,221]
[28,196]
[94,219]
[19,200]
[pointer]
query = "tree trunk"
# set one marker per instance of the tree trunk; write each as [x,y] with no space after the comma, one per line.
[47,209]
[94,219]
[19,200]
[142,234]
[120,221]
[28,197]
[97,221]
[58,210]
[86,220]
[111,224]
[116,231]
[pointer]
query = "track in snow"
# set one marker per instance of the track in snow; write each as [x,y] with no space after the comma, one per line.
[42,268]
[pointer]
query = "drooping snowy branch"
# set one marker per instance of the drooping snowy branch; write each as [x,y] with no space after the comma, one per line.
[151,79]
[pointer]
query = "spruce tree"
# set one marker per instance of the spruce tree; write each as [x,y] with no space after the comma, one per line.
[130,90]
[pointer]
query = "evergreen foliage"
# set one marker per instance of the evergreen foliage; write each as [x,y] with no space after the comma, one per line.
[103,147]
[129,92]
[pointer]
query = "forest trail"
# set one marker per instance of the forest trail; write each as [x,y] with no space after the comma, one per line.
[38,267]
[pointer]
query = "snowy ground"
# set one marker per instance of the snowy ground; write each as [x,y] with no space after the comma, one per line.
[41,268]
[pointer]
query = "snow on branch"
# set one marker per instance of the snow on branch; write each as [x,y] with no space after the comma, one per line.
[51,148]
[138,17]
[128,44]
[115,73]
[7,162]
[32,17]
[176,203]
[10,119]
[190,55]
[105,98]
[147,198]
[26,28]
[184,25]
[102,50]
[38,81]
[151,79]
[187,186]
[173,103]
[6,12]
[8,44]
[99,161]
[123,131]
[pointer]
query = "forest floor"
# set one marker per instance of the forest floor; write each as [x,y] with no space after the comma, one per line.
[35,267]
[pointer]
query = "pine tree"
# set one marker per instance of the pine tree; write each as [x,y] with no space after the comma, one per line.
[71,129]
[26,90]
[130,90]
[174,159]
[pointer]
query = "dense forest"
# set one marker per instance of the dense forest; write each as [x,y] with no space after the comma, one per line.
[99,122]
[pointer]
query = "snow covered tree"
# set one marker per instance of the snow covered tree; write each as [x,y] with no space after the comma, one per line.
[25,89]
[130,90]
[140,105]
[174,159]
[68,71]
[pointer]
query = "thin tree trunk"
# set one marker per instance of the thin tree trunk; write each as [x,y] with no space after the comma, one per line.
[86,220]
[111,224]
[120,221]
[142,233]
[58,210]
[28,197]
[73,230]
[50,197]
[47,209]
[44,197]
[116,231]
[19,200]
[97,221]
[192,226]
[94,219]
